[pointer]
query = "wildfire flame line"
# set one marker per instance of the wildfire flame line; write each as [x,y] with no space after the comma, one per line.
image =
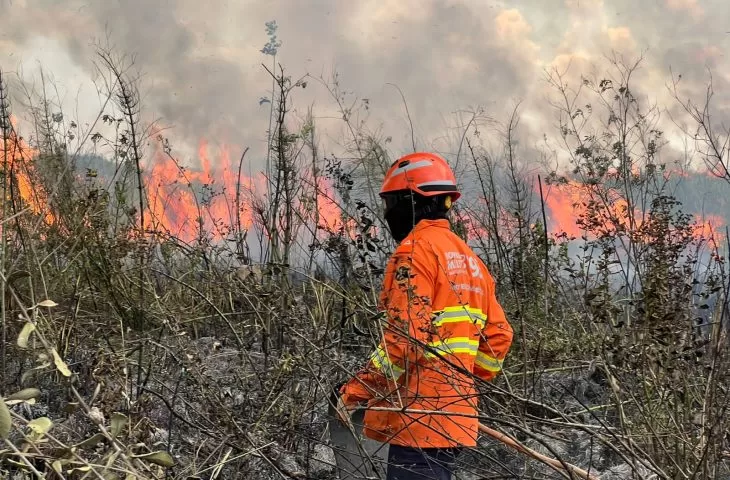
[176,209]
[17,157]
[173,206]
[569,202]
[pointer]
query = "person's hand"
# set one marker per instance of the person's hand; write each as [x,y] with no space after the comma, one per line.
[350,396]
[344,412]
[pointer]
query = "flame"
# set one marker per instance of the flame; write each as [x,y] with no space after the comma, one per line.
[564,203]
[175,205]
[329,215]
[572,202]
[475,228]
[174,208]
[18,155]
[708,227]
[185,203]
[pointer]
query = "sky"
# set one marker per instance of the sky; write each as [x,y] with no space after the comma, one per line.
[202,74]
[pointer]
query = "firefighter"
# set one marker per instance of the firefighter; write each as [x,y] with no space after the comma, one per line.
[442,327]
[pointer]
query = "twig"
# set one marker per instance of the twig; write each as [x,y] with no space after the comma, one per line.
[408,114]
[551,462]
[24,459]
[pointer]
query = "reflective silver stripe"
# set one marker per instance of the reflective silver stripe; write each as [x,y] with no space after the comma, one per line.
[382,362]
[451,346]
[488,363]
[411,166]
[437,182]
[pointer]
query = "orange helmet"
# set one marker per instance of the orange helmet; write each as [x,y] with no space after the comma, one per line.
[424,173]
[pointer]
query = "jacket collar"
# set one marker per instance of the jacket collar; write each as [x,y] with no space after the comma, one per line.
[423,224]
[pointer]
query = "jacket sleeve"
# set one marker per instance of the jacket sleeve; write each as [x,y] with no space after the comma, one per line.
[496,337]
[405,306]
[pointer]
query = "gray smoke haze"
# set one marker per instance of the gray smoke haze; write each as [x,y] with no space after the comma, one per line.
[202,62]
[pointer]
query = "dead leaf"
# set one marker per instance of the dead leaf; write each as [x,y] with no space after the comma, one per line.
[29,373]
[90,442]
[161,458]
[25,335]
[118,420]
[10,403]
[5,421]
[25,394]
[60,364]
[85,468]
[40,426]
[17,275]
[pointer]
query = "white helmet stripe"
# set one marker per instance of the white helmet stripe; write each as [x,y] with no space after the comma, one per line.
[437,182]
[411,166]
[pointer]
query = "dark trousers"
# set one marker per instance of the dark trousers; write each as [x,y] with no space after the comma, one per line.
[407,463]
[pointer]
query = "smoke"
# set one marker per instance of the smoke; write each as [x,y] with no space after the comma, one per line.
[202,72]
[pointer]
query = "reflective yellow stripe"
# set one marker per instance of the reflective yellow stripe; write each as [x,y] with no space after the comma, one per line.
[488,363]
[382,362]
[460,313]
[451,346]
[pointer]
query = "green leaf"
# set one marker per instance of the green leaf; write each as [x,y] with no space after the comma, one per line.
[118,420]
[25,335]
[5,422]
[158,458]
[60,364]
[25,394]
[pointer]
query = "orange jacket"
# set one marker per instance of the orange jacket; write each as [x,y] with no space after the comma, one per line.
[443,324]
